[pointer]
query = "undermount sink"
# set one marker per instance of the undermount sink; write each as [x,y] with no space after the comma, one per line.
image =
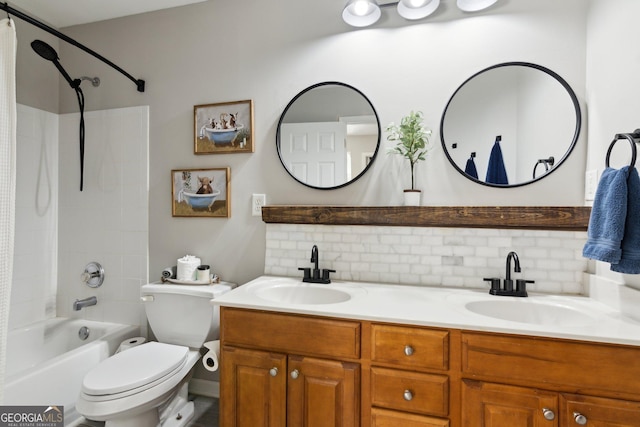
[526,311]
[303,294]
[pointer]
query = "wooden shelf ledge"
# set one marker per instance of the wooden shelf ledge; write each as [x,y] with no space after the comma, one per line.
[566,218]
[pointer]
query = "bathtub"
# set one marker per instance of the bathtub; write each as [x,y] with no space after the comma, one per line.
[46,361]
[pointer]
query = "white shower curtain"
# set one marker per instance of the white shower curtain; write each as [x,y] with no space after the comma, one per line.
[7,179]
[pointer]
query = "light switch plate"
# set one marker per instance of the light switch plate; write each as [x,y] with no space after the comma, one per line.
[590,184]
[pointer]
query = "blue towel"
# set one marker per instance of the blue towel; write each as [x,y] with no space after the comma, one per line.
[608,216]
[470,168]
[630,259]
[496,173]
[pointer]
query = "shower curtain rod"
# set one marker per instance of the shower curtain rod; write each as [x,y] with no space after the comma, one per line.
[140,84]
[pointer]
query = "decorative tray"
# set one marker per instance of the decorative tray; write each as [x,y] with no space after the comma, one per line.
[212,280]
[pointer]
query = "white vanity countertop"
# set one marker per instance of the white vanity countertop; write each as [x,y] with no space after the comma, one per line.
[570,317]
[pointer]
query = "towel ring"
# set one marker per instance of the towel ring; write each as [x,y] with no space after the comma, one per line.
[631,137]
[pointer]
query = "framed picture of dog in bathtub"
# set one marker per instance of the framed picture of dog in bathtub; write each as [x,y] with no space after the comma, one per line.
[201,192]
[224,128]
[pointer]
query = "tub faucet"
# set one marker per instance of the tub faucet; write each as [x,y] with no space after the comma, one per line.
[79,304]
[507,289]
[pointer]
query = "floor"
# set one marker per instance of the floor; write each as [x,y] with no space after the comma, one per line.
[206,414]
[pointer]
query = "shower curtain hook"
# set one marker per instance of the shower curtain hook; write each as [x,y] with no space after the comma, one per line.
[6,8]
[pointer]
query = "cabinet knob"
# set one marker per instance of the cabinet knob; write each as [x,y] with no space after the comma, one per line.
[408,350]
[295,373]
[408,395]
[548,414]
[273,371]
[579,418]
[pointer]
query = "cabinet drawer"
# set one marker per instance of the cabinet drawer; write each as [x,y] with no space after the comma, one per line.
[410,347]
[599,411]
[386,418]
[549,363]
[429,394]
[290,333]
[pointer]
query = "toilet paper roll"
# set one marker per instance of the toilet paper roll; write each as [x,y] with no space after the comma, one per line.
[210,359]
[187,266]
[130,343]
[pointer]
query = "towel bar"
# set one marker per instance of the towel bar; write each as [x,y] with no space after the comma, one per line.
[632,138]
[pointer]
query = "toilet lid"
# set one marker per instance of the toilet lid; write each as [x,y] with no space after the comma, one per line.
[134,368]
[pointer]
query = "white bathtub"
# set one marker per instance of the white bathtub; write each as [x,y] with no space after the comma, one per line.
[46,361]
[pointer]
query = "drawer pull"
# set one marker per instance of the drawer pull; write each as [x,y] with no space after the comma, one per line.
[579,418]
[548,414]
[273,371]
[295,373]
[408,396]
[408,350]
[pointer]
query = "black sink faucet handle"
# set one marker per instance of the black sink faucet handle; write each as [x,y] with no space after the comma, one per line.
[307,272]
[325,274]
[495,283]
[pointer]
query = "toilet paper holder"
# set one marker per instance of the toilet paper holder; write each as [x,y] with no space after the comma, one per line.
[93,275]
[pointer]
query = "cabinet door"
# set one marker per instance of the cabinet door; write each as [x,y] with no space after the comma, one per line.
[598,412]
[253,386]
[323,393]
[496,405]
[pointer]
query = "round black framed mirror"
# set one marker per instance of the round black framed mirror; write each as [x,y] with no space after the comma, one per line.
[510,124]
[328,135]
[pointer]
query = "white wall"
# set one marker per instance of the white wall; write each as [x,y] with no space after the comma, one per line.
[33,292]
[220,51]
[612,71]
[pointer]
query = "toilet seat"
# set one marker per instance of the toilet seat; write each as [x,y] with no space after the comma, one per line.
[133,371]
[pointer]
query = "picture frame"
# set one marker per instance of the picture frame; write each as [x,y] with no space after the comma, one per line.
[223,128]
[201,193]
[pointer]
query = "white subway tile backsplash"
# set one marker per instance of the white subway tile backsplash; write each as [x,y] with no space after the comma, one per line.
[430,256]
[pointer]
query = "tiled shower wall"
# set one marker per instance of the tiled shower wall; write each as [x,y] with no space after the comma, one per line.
[454,257]
[33,288]
[108,221]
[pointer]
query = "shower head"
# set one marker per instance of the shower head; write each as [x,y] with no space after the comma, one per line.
[50,54]
[44,50]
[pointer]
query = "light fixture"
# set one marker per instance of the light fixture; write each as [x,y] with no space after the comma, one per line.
[417,9]
[475,5]
[361,13]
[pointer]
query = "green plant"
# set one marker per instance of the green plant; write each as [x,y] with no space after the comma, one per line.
[412,140]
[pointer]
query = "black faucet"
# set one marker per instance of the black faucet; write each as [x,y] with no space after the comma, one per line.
[507,288]
[315,276]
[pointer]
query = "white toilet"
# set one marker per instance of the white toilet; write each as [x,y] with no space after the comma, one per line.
[147,385]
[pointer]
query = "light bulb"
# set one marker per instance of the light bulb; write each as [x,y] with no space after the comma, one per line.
[361,13]
[418,3]
[417,9]
[361,8]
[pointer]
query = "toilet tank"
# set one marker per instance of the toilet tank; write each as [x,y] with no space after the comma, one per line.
[183,314]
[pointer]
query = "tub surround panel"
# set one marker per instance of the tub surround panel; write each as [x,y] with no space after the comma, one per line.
[432,256]
[108,221]
[33,292]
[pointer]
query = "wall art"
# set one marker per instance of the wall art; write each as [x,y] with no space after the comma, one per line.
[201,192]
[224,128]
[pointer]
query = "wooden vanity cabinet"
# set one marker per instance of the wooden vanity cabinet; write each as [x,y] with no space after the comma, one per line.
[512,381]
[294,370]
[280,370]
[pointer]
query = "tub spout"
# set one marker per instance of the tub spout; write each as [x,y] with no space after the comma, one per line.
[79,304]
